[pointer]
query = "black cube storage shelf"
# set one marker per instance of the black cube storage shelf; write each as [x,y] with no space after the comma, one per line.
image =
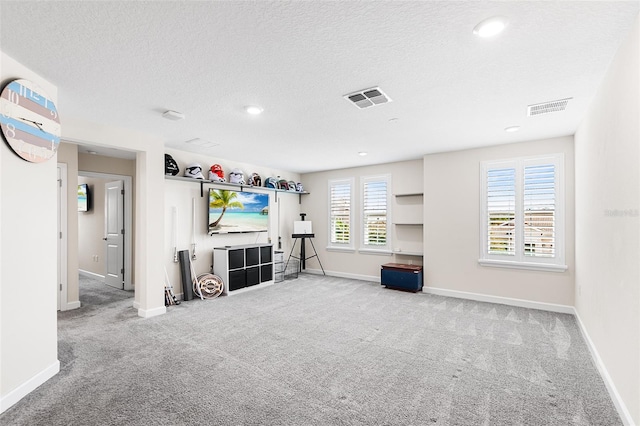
[243,267]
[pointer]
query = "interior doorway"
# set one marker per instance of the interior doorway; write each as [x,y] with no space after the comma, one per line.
[105,230]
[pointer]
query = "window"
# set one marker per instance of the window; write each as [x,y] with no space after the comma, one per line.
[375,213]
[523,213]
[340,217]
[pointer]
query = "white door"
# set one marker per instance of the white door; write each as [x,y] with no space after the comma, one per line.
[114,233]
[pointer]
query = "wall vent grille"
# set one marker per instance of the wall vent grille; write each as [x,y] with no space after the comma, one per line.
[368,97]
[547,107]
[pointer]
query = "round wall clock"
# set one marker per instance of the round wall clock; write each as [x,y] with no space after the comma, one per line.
[29,121]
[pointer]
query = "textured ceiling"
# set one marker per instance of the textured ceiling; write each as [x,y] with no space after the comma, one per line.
[124,63]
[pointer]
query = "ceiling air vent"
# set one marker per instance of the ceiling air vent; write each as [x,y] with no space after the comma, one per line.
[368,97]
[547,107]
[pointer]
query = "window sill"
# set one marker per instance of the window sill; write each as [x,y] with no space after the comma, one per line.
[523,265]
[381,252]
[341,249]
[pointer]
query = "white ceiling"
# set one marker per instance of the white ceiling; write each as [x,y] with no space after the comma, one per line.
[124,63]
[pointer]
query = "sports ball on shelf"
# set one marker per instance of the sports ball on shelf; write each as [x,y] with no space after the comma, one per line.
[216,174]
[194,171]
[170,166]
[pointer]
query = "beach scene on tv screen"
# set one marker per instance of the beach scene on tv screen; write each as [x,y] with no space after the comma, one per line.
[237,211]
[83,204]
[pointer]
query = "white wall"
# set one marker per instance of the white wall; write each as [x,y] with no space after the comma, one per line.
[452,226]
[607,223]
[406,177]
[28,336]
[180,195]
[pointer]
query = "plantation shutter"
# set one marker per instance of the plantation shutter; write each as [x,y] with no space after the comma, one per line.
[501,211]
[522,213]
[374,209]
[340,212]
[539,210]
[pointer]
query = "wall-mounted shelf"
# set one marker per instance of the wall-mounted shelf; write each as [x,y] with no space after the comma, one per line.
[203,182]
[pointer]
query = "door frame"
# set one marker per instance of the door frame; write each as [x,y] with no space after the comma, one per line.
[61,286]
[128,214]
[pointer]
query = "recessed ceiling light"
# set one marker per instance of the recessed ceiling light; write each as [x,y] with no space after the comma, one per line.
[362,153]
[491,26]
[253,109]
[173,115]
[512,129]
[92,152]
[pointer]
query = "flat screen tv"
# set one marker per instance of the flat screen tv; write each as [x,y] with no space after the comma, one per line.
[237,211]
[84,198]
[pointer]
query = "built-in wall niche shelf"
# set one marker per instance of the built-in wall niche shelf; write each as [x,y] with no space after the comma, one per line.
[408,224]
[408,253]
[203,182]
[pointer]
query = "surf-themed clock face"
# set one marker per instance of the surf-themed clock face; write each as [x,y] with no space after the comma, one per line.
[29,121]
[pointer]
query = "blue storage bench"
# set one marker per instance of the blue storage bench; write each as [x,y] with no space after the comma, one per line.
[401,277]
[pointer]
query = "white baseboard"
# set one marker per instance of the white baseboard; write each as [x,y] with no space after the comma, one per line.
[625,416]
[136,305]
[373,278]
[551,307]
[27,387]
[149,313]
[91,274]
